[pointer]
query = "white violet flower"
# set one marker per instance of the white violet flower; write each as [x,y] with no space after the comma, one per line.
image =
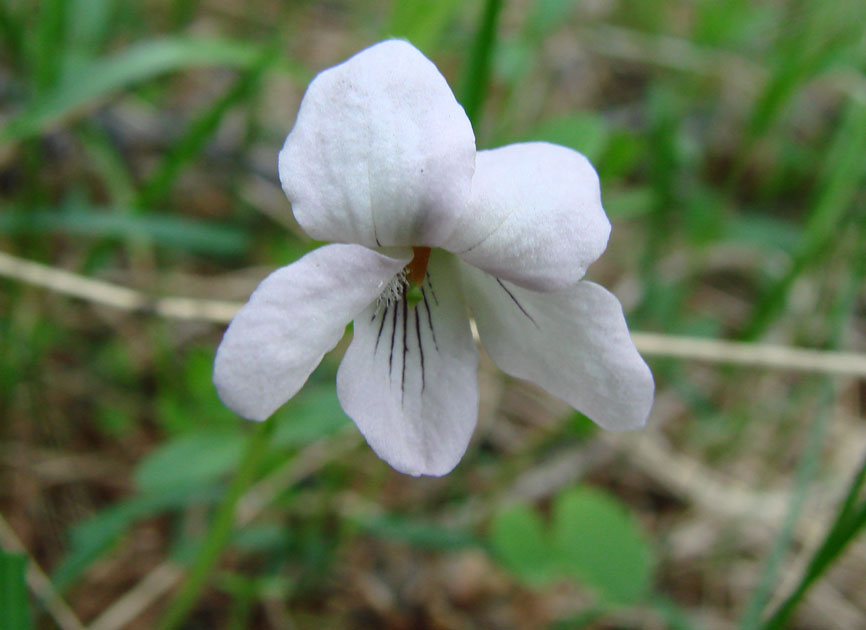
[382,161]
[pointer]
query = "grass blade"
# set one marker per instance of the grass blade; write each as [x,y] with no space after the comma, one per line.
[14,606]
[199,133]
[844,306]
[98,80]
[161,229]
[844,169]
[848,524]
[478,72]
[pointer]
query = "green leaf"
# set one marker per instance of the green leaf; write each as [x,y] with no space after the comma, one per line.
[97,534]
[519,541]
[192,460]
[14,608]
[598,542]
[313,414]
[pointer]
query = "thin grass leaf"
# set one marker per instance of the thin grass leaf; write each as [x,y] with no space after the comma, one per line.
[141,62]
[845,305]
[814,34]
[200,131]
[850,504]
[14,605]
[47,47]
[12,34]
[807,469]
[477,75]
[844,169]
[851,516]
[108,161]
[846,527]
[169,231]
[88,26]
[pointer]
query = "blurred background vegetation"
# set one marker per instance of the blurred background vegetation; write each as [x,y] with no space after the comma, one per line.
[138,144]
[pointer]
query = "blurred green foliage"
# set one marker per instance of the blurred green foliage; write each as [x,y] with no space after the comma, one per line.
[591,538]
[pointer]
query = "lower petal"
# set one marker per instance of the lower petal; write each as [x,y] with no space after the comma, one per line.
[574,343]
[296,315]
[409,380]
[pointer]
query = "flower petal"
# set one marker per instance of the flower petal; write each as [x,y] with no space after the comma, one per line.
[409,380]
[292,319]
[535,216]
[574,343]
[381,152]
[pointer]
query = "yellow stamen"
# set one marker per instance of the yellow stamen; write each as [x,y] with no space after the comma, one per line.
[417,268]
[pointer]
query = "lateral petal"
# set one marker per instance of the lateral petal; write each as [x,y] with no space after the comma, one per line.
[381,153]
[409,380]
[535,216]
[573,343]
[296,315]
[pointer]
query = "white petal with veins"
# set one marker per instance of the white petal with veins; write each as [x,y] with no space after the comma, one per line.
[408,379]
[574,343]
[296,315]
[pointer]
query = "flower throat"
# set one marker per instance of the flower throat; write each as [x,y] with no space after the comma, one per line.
[408,282]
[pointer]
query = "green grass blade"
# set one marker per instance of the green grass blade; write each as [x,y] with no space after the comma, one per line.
[200,131]
[12,33]
[161,229]
[813,36]
[849,506]
[96,81]
[87,31]
[478,71]
[843,171]
[807,469]
[14,606]
[851,516]
[844,306]
[848,524]
[46,50]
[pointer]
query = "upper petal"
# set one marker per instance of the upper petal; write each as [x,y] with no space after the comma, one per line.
[381,152]
[292,319]
[574,343]
[409,380]
[535,216]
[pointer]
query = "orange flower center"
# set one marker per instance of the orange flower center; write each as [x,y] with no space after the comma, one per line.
[417,268]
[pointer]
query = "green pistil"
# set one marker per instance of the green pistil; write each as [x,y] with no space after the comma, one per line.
[413,294]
